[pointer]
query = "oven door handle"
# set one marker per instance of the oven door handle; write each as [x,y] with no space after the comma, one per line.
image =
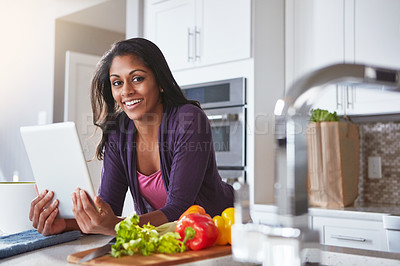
[229,117]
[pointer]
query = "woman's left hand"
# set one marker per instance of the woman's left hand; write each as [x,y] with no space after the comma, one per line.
[93,217]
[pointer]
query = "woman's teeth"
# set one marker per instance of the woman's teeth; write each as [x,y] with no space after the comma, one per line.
[133,102]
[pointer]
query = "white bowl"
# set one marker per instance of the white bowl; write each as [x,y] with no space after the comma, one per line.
[15,200]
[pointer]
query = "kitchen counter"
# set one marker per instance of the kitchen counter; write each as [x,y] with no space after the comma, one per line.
[331,255]
[373,212]
[369,213]
[335,255]
[57,255]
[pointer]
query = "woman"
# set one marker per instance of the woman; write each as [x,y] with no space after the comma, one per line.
[155,141]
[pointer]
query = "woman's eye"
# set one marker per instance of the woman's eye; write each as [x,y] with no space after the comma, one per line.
[138,79]
[116,83]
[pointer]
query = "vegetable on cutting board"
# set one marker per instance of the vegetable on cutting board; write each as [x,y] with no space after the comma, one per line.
[194,230]
[167,227]
[194,209]
[133,239]
[200,227]
[224,223]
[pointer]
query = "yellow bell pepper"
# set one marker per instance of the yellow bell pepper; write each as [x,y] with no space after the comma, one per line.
[222,239]
[224,223]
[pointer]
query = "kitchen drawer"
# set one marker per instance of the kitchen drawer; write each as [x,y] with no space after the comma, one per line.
[351,233]
[352,238]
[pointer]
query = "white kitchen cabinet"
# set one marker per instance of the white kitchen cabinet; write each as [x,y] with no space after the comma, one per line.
[320,33]
[356,100]
[377,32]
[171,25]
[367,101]
[193,33]
[315,36]
[315,39]
[351,233]
[377,43]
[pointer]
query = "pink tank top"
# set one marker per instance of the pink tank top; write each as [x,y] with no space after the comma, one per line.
[152,189]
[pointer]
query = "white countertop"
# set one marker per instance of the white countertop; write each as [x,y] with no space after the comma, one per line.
[367,211]
[57,255]
[373,212]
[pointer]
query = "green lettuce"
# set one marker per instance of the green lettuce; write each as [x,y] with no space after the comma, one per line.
[134,239]
[319,115]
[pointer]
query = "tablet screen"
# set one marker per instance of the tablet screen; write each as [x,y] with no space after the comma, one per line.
[57,161]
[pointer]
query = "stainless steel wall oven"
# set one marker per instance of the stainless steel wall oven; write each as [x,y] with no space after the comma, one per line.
[224,102]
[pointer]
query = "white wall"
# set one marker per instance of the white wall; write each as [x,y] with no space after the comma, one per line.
[27,30]
[78,38]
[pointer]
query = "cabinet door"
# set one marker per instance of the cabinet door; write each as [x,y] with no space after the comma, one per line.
[377,32]
[316,40]
[355,100]
[225,31]
[194,33]
[377,42]
[318,35]
[368,101]
[170,25]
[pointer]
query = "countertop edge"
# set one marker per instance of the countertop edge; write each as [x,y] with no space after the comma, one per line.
[361,252]
[354,214]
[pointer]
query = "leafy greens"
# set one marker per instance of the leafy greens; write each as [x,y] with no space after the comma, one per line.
[319,115]
[131,239]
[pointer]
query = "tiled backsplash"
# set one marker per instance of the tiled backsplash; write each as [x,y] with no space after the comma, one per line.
[380,139]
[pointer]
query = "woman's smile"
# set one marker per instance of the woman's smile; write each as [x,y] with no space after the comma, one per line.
[130,104]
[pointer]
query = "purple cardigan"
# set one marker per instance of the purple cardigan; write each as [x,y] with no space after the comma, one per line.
[187,161]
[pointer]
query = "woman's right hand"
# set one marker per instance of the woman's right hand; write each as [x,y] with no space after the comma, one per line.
[43,214]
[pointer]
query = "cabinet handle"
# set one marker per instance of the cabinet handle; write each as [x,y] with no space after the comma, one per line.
[190,37]
[349,238]
[350,97]
[197,43]
[339,98]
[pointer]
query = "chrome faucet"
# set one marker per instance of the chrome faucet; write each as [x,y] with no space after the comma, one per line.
[291,119]
[291,232]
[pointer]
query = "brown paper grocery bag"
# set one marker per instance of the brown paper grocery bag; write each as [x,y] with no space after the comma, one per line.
[333,163]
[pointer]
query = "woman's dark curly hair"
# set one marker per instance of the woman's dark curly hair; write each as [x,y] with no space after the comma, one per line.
[105,109]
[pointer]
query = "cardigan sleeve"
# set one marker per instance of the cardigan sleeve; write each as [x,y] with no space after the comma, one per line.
[113,186]
[191,149]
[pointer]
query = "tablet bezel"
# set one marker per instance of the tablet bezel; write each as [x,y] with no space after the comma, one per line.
[58,163]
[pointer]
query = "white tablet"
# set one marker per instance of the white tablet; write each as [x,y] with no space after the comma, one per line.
[57,162]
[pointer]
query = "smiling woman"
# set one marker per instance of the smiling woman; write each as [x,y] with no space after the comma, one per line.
[134,88]
[154,141]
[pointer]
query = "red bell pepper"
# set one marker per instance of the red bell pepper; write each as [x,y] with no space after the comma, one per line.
[204,230]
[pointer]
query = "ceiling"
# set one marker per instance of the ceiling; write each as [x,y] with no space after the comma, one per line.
[109,15]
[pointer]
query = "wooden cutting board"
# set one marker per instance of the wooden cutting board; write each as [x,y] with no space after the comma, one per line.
[154,259]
